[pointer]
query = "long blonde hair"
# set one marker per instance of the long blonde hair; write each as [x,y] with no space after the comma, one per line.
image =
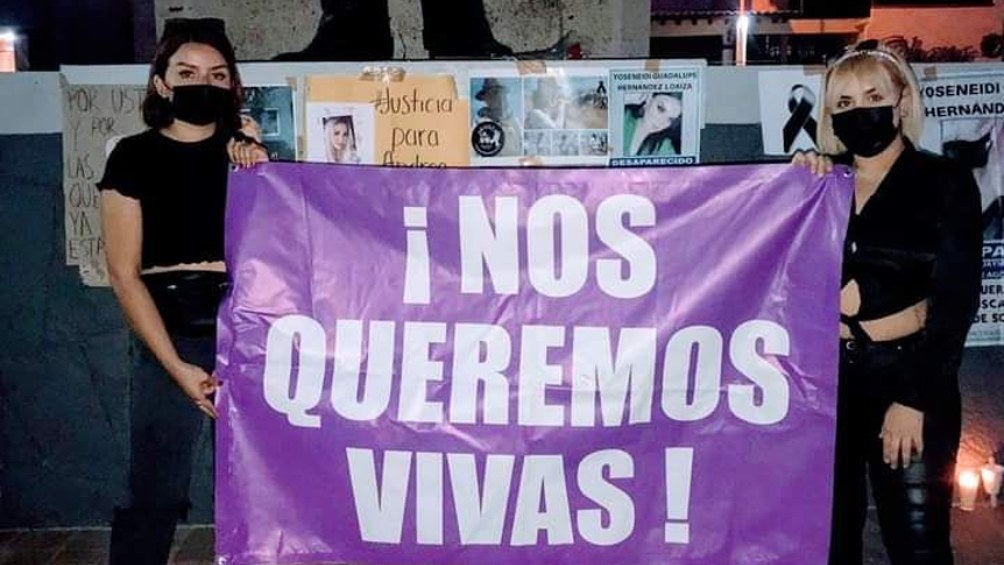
[348,154]
[890,70]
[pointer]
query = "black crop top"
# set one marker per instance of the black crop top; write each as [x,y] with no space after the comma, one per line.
[919,237]
[181,188]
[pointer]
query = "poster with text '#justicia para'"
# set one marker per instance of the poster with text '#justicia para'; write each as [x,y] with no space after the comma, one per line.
[410,121]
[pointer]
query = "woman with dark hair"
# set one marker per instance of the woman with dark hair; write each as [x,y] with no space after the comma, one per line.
[162,206]
[652,127]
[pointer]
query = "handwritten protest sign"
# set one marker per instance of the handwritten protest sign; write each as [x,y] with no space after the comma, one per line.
[789,109]
[94,117]
[417,121]
[516,365]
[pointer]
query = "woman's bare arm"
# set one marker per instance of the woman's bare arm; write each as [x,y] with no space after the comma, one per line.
[122,225]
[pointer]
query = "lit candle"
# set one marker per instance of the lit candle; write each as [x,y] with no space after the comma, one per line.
[969,482]
[992,474]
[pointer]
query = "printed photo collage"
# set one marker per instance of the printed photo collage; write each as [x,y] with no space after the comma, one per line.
[621,118]
[546,116]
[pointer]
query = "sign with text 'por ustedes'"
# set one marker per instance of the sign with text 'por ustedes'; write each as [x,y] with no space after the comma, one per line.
[525,365]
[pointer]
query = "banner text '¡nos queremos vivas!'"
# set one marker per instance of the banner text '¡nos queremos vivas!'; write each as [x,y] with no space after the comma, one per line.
[482,353]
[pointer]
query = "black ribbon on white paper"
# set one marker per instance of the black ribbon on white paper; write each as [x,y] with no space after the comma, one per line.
[801,101]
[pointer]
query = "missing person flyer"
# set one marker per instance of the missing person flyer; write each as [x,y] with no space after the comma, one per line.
[559,117]
[655,116]
[964,121]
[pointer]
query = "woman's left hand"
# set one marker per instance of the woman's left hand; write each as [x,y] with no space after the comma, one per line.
[902,435]
[245,153]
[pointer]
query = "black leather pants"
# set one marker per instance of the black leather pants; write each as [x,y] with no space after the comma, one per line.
[914,504]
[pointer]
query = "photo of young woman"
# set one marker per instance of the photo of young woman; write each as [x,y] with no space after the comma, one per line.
[340,140]
[652,124]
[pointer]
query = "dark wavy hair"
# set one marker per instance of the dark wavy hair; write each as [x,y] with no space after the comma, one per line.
[157,111]
[653,142]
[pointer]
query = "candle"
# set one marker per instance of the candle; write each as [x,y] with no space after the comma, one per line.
[969,482]
[992,475]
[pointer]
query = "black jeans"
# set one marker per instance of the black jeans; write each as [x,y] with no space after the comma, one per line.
[164,428]
[914,504]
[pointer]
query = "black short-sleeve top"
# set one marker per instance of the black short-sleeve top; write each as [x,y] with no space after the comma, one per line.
[181,188]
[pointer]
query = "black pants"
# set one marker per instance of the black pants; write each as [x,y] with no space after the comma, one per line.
[914,504]
[164,427]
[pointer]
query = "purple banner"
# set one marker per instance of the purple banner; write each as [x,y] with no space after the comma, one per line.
[529,366]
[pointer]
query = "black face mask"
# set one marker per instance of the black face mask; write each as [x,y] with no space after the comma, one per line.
[200,104]
[972,154]
[866,132]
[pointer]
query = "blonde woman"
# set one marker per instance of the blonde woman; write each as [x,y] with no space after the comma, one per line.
[340,135]
[911,281]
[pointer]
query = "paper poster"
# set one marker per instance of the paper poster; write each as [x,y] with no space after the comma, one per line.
[964,120]
[789,110]
[655,116]
[95,117]
[416,121]
[988,328]
[555,118]
[272,108]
